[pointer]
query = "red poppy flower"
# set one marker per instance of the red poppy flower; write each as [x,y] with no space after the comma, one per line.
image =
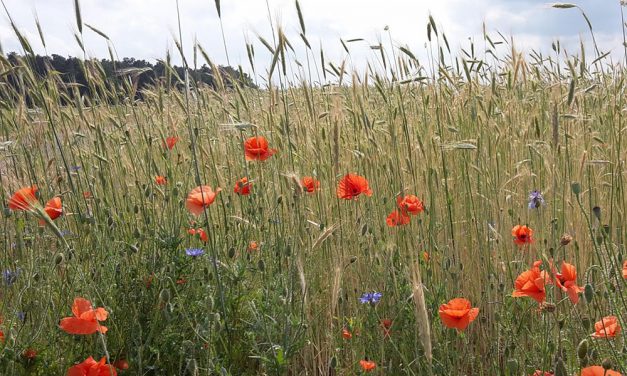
[397,218]
[90,367]
[85,319]
[170,142]
[567,281]
[253,246]
[346,334]
[1,333]
[352,186]
[29,354]
[242,187]
[426,256]
[458,313]
[87,194]
[522,235]
[386,324]
[202,234]
[54,208]
[121,364]
[367,365]
[531,283]
[200,198]
[608,327]
[256,149]
[161,180]
[23,199]
[598,371]
[542,373]
[309,184]
[625,269]
[410,204]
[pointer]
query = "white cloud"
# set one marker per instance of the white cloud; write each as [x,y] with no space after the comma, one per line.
[145,28]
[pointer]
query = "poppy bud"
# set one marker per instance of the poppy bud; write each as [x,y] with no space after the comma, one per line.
[597,212]
[588,293]
[576,188]
[512,366]
[566,239]
[58,259]
[7,212]
[585,321]
[607,364]
[261,265]
[164,296]
[191,368]
[582,349]
[594,354]
[560,368]
[353,259]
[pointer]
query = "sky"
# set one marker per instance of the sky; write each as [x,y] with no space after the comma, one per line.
[145,29]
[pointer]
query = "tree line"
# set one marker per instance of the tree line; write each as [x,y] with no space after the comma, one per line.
[132,75]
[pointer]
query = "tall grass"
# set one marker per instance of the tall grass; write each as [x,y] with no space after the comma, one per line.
[471,134]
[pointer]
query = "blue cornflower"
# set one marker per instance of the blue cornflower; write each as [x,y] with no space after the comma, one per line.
[536,200]
[9,277]
[21,316]
[194,252]
[370,297]
[75,168]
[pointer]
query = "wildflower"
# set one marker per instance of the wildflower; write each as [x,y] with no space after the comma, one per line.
[386,324]
[202,234]
[541,373]
[170,142]
[370,297]
[194,252]
[410,204]
[9,277]
[86,318]
[625,269]
[309,184]
[367,365]
[566,239]
[567,281]
[352,186]
[181,281]
[23,199]
[536,200]
[75,168]
[54,208]
[531,283]
[522,234]
[458,313]
[89,367]
[200,198]
[242,187]
[121,364]
[346,334]
[161,180]
[598,371]
[256,149]
[253,246]
[21,316]
[1,332]
[426,256]
[397,218]
[29,354]
[608,327]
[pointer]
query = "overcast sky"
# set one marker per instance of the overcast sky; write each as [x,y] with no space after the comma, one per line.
[144,28]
